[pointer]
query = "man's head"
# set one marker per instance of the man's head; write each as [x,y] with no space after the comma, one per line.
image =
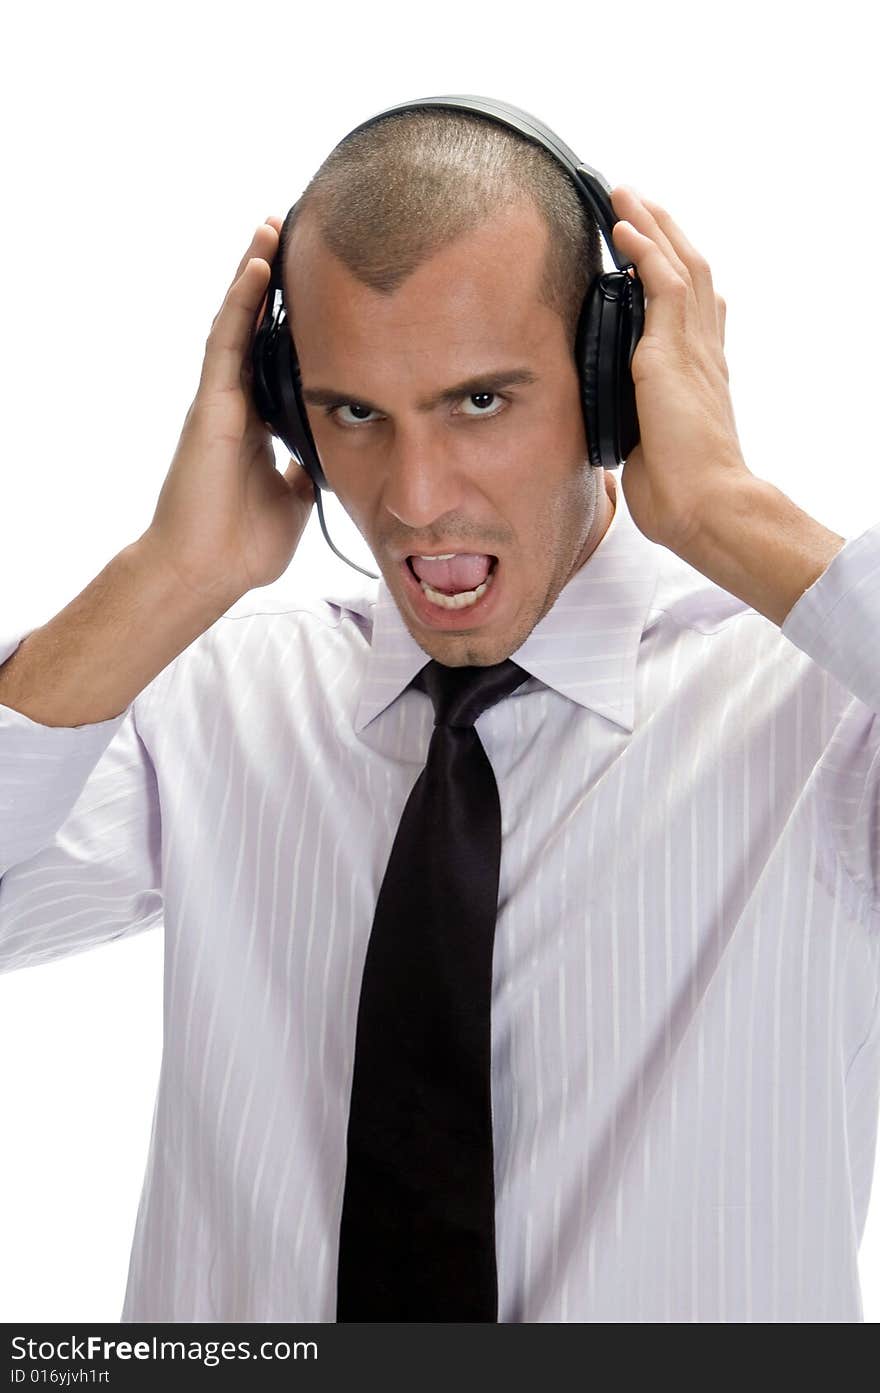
[430,250]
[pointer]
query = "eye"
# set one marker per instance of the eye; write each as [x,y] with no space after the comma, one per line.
[481,396]
[345,406]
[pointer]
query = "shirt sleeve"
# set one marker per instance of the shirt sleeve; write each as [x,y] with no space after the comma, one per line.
[836,622]
[79,834]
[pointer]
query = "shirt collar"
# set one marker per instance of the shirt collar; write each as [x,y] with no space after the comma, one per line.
[586,646]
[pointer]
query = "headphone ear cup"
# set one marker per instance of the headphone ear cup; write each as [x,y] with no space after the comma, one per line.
[295,430]
[609,328]
[276,384]
[586,354]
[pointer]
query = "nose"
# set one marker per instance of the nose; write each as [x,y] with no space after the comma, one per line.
[422,478]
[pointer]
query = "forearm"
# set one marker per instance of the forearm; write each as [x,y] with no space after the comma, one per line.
[756,543]
[91,660]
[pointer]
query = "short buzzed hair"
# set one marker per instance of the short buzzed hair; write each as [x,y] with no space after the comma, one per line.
[390,196]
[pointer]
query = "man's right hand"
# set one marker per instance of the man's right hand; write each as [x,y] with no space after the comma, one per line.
[227,519]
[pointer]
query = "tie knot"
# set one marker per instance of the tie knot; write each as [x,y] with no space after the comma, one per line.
[461,694]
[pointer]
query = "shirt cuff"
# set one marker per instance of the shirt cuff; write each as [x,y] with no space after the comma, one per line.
[43,770]
[837,619]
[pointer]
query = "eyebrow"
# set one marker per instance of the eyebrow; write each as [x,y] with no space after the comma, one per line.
[486,382]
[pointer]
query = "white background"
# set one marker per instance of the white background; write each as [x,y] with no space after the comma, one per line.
[142,147]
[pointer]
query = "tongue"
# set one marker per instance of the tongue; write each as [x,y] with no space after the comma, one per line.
[463,572]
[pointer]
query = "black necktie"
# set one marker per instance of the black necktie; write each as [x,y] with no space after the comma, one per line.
[417,1235]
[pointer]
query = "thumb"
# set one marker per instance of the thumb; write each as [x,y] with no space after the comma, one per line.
[298,477]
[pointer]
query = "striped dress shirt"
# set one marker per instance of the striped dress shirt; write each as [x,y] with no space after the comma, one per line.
[685,1026]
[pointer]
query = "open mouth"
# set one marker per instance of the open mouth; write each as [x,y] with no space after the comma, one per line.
[448,611]
[493,562]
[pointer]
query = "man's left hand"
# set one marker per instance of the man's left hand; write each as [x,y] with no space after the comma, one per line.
[688,440]
[686,483]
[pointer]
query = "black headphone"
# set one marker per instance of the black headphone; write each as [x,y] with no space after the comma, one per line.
[609,327]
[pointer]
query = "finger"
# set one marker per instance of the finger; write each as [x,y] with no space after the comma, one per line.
[651,218]
[298,477]
[698,267]
[666,292]
[231,332]
[264,243]
[633,208]
[273,221]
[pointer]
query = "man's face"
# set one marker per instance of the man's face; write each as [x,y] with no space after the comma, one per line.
[505,474]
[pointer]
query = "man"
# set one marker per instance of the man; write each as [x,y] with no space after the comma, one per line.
[684,1024]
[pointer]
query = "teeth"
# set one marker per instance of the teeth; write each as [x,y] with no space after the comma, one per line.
[448,557]
[463,600]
